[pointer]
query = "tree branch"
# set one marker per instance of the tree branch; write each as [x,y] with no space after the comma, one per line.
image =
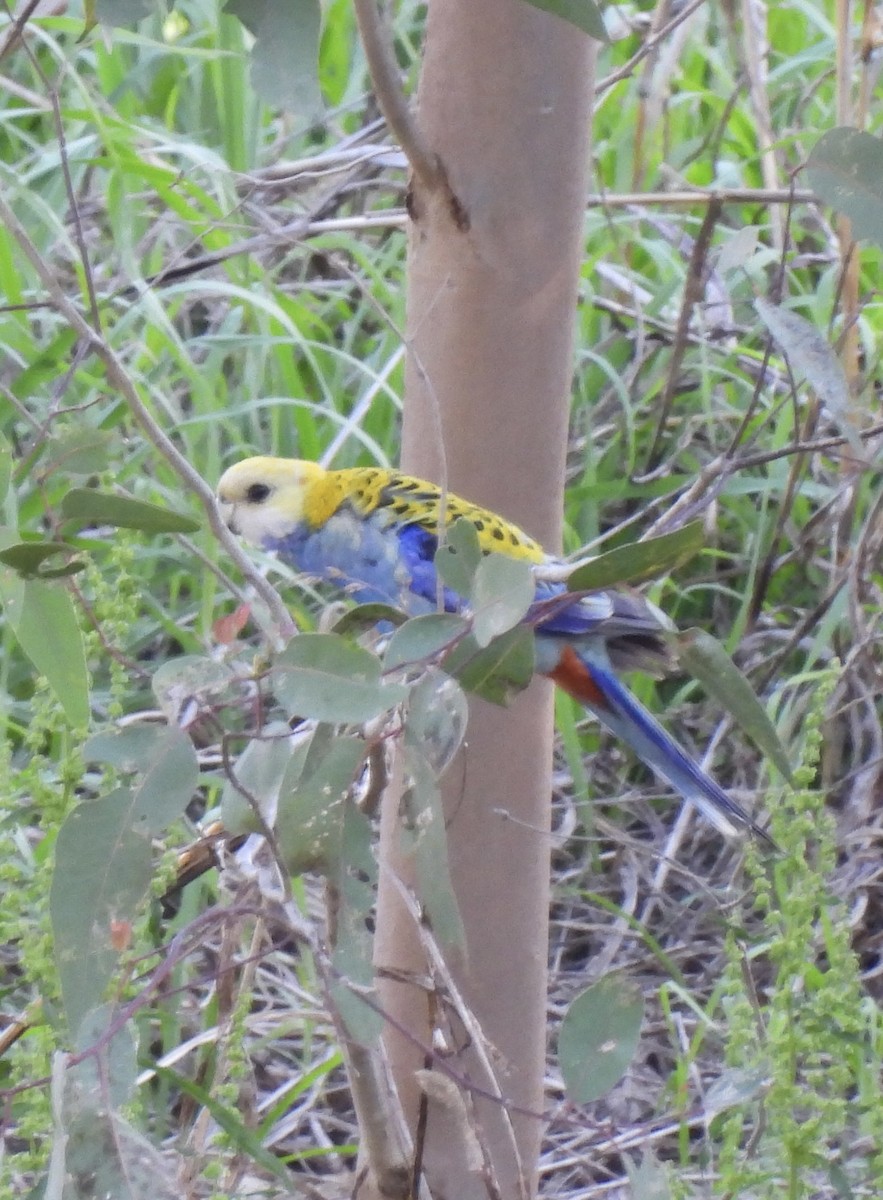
[118,378]
[393,102]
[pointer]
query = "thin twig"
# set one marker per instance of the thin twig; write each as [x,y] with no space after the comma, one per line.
[397,218]
[79,237]
[65,168]
[118,378]
[377,43]
[649,47]
[19,20]
[694,286]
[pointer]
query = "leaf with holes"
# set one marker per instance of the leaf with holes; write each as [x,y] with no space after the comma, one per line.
[353,954]
[435,718]
[313,800]
[425,838]
[457,559]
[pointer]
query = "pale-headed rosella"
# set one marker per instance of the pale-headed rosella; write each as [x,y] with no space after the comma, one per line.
[375,532]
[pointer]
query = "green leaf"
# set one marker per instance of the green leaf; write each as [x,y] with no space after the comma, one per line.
[44,620]
[88,506]
[639,560]
[259,772]
[79,451]
[435,718]
[457,558]
[367,616]
[599,1036]
[584,14]
[353,955]
[103,1155]
[102,872]
[191,680]
[814,361]
[313,798]
[64,571]
[422,638]
[12,587]
[703,657]
[113,1072]
[164,756]
[739,247]
[845,170]
[285,56]
[502,592]
[322,676]
[129,749]
[168,787]
[499,670]
[46,366]
[425,838]
[28,558]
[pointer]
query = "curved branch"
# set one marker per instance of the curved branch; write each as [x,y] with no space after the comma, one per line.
[393,102]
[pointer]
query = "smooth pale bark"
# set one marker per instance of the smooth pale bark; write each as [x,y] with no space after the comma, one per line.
[504,101]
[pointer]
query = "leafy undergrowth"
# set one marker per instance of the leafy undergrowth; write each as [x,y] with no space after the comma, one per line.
[246,273]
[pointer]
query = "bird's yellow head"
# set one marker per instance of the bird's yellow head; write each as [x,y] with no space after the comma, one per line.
[263,499]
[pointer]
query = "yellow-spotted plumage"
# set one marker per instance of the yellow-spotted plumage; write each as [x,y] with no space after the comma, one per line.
[413,500]
[374,533]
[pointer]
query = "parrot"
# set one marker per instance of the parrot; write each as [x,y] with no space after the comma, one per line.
[374,532]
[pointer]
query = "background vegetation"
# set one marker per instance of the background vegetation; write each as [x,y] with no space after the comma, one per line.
[244,266]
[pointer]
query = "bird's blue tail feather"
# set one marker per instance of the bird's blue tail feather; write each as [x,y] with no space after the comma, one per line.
[629,720]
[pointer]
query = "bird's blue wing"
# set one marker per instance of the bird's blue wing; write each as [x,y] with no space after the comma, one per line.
[417,550]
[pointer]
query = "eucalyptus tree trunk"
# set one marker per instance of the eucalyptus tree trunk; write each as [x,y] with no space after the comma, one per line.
[494,255]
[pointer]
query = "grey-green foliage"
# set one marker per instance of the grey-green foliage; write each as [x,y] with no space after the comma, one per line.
[104,860]
[599,1036]
[584,14]
[284,69]
[285,51]
[639,561]
[95,1150]
[845,168]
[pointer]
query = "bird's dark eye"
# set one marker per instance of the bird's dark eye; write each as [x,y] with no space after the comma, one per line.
[257,492]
